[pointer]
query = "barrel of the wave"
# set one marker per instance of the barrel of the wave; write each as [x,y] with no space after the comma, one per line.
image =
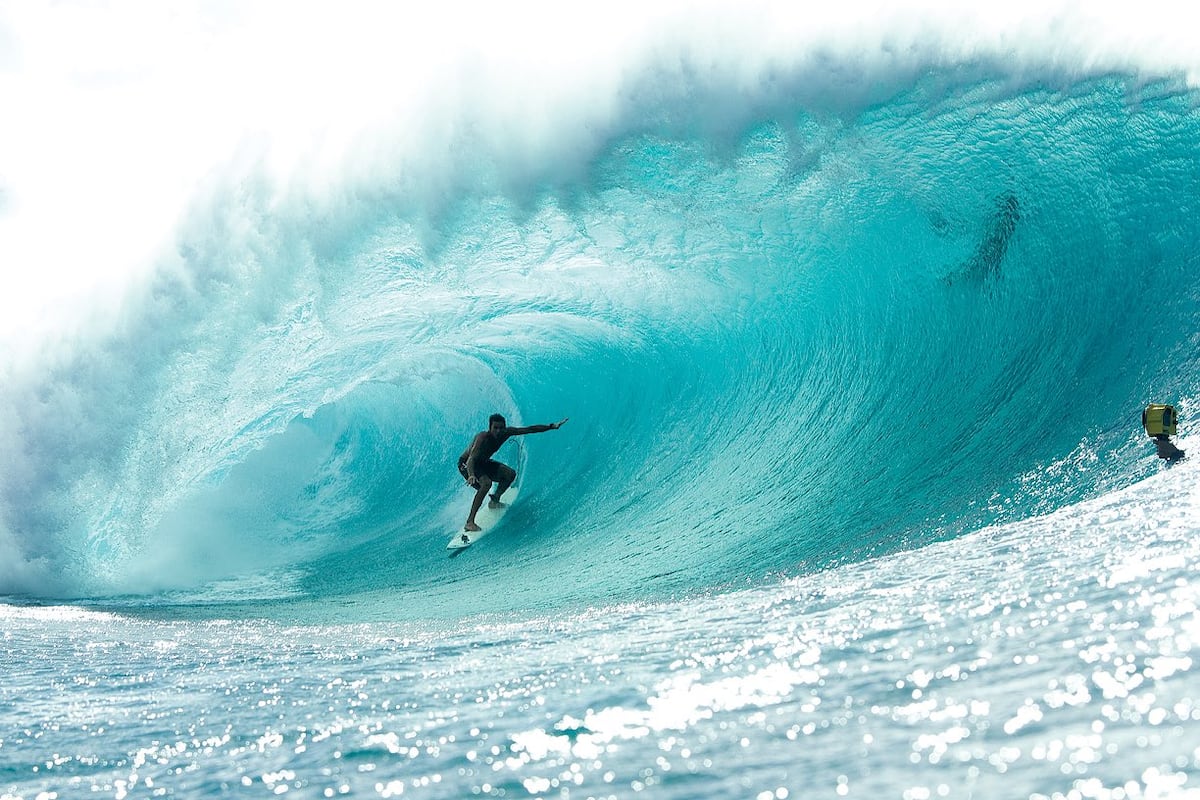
[1161,422]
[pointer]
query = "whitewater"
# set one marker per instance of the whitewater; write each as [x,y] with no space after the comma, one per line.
[854,315]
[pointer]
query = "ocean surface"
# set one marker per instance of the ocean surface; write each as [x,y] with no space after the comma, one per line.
[854,335]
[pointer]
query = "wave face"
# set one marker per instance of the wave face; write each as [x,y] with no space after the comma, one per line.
[789,333]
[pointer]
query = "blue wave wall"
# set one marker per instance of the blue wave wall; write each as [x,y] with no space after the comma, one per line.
[789,332]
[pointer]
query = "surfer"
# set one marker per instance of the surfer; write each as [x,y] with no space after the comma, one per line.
[480,471]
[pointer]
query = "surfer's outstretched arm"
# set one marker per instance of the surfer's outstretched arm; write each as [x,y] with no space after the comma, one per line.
[536,428]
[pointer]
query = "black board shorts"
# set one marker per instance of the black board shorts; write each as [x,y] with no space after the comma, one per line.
[493,469]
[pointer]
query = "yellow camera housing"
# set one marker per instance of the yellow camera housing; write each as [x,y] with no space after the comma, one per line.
[1159,420]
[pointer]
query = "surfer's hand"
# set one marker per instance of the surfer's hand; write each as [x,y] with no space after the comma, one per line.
[473,482]
[560,423]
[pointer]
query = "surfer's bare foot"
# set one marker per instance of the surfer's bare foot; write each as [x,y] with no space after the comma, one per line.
[471,527]
[496,504]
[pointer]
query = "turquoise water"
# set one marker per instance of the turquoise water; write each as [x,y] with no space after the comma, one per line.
[854,498]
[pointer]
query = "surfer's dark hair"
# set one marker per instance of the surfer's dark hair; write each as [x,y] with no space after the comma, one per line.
[496,418]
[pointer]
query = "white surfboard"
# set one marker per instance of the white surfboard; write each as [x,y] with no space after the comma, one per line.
[487,519]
